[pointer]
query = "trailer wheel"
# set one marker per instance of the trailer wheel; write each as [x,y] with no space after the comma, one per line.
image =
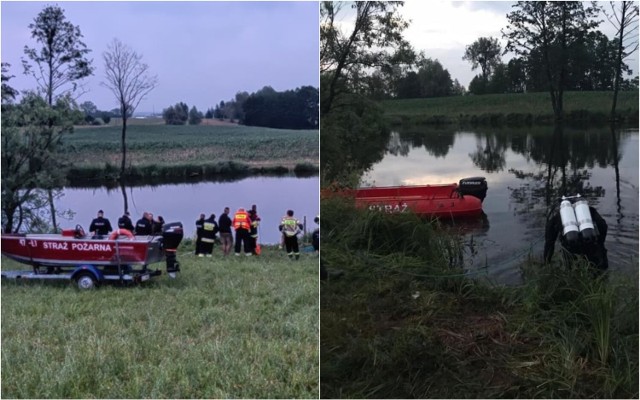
[86,281]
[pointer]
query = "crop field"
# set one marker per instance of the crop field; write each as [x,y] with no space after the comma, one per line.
[537,104]
[225,328]
[156,144]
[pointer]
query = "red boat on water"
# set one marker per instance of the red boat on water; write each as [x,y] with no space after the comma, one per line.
[90,260]
[456,200]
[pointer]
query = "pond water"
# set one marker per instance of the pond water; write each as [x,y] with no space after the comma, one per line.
[527,170]
[185,202]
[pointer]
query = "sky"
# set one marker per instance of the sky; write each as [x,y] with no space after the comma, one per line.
[205,52]
[443,29]
[201,52]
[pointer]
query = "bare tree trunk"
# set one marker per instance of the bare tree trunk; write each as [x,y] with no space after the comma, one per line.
[53,210]
[124,195]
[616,162]
[616,83]
[124,145]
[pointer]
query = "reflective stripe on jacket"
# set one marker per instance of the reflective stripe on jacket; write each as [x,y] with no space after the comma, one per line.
[290,226]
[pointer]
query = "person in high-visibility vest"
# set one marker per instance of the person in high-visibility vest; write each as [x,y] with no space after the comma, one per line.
[291,227]
[242,225]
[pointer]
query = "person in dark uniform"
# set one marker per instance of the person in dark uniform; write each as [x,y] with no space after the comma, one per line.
[226,237]
[315,236]
[124,222]
[100,226]
[253,232]
[199,233]
[209,231]
[144,226]
[157,225]
[594,251]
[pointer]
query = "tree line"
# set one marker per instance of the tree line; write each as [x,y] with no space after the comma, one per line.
[583,57]
[291,109]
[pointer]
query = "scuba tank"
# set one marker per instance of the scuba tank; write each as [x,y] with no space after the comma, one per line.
[570,230]
[585,223]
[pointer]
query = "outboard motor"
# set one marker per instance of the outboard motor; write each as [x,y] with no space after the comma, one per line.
[172,234]
[585,223]
[476,186]
[569,223]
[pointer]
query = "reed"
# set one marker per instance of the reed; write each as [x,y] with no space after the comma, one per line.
[403,321]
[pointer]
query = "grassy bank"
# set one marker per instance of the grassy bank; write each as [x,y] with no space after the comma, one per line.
[226,328]
[511,109]
[404,322]
[177,152]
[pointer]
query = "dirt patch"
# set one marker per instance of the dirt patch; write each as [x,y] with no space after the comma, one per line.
[476,329]
[216,122]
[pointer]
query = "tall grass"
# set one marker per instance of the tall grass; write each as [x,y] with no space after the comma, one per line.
[226,328]
[405,322]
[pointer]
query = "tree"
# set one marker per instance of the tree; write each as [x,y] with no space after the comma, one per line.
[485,53]
[90,111]
[626,23]
[177,114]
[373,41]
[435,80]
[8,93]
[128,79]
[209,113]
[195,116]
[552,29]
[61,62]
[31,134]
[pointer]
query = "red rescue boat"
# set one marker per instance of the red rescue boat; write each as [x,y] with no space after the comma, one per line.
[90,260]
[67,250]
[455,200]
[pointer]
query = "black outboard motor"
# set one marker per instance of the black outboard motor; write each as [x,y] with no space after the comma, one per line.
[172,234]
[476,186]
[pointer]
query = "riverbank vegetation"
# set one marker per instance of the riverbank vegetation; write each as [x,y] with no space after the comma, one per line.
[186,152]
[512,109]
[225,328]
[403,320]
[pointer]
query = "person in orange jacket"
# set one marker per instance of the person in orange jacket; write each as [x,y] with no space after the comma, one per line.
[242,225]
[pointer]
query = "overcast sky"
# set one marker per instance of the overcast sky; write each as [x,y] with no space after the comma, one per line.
[202,52]
[442,29]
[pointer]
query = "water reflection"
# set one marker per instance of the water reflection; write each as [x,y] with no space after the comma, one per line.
[527,169]
[185,202]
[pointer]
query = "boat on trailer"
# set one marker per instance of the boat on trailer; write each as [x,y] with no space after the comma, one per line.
[455,200]
[90,260]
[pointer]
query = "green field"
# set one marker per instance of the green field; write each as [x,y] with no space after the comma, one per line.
[226,328]
[166,145]
[530,107]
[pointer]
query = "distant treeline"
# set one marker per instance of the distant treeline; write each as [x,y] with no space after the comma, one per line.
[291,109]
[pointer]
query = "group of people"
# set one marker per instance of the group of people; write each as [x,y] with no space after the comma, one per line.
[245,224]
[146,225]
